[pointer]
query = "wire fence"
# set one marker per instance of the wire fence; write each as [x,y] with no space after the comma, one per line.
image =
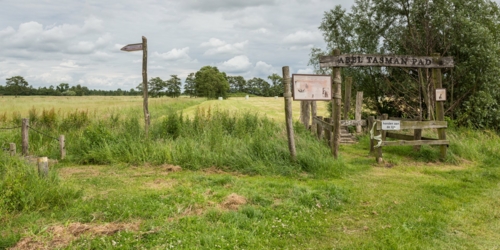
[10,128]
[46,135]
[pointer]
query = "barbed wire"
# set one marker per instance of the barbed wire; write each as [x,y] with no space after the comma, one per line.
[10,128]
[57,139]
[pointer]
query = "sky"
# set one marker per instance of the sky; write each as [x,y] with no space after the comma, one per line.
[49,42]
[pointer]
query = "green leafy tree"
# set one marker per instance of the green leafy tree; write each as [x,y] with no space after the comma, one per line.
[190,85]
[258,86]
[466,30]
[62,87]
[236,84]
[155,87]
[174,86]
[16,85]
[211,83]
[276,85]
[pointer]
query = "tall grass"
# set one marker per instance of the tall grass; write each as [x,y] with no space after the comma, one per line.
[21,188]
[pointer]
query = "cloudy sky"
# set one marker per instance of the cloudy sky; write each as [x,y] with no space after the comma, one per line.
[78,42]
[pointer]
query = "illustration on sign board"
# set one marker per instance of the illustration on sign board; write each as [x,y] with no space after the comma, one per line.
[440,95]
[312,87]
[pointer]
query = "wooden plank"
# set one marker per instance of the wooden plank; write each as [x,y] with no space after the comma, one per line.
[418,124]
[360,60]
[323,123]
[413,143]
[345,123]
[407,137]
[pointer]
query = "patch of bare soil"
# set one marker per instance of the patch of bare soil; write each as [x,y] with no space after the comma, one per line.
[213,170]
[83,171]
[61,236]
[170,168]
[160,184]
[233,202]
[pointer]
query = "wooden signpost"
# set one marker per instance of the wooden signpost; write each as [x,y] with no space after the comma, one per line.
[355,60]
[434,62]
[144,47]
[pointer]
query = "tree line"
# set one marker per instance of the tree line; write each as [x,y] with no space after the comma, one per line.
[207,82]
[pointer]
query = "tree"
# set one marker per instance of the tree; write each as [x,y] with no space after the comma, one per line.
[62,87]
[277,85]
[174,86]
[211,83]
[16,85]
[258,86]
[190,85]
[466,30]
[155,87]
[236,84]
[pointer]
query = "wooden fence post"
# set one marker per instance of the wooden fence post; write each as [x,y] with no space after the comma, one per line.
[359,108]
[314,113]
[25,136]
[347,97]
[43,166]
[145,84]
[305,113]
[336,103]
[437,79]
[62,147]
[328,131]
[319,129]
[288,112]
[12,149]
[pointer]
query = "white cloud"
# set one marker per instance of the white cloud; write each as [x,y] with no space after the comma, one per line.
[303,37]
[69,64]
[262,68]
[305,71]
[216,5]
[213,42]
[53,78]
[237,64]
[174,54]
[217,46]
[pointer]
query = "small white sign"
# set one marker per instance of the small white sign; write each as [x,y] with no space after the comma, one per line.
[440,95]
[391,125]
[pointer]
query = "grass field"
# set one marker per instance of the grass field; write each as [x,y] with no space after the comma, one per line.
[222,180]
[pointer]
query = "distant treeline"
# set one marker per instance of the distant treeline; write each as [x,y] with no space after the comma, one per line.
[208,82]
[17,86]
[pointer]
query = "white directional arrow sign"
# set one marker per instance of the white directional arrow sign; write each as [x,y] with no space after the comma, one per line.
[132,47]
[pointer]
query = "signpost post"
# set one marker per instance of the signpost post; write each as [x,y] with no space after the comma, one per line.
[144,47]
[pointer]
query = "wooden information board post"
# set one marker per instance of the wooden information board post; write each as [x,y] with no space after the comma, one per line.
[434,62]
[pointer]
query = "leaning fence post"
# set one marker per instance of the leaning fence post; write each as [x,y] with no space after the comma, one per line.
[43,166]
[24,136]
[12,149]
[62,147]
